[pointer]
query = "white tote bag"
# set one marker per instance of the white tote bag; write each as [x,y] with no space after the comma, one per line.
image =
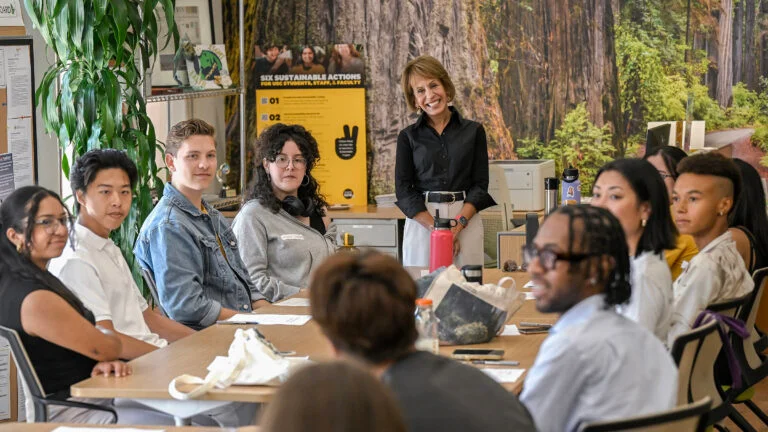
[250,361]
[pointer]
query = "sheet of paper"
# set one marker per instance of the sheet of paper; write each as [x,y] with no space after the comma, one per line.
[529,296]
[10,14]
[20,144]
[98,429]
[510,330]
[7,184]
[5,380]
[18,80]
[294,302]
[504,375]
[270,319]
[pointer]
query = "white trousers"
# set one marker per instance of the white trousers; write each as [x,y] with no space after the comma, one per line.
[416,238]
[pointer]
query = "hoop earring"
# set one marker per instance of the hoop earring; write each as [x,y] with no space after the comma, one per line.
[642,223]
[306,177]
[18,247]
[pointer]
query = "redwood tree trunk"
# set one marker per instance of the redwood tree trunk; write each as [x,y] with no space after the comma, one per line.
[749,64]
[724,88]
[561,54]
[738,40]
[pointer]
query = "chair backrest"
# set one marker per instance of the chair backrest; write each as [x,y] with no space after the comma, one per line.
[23,362]
[730,307]
[685,351]
[749,316]
[149,278]
[690,417]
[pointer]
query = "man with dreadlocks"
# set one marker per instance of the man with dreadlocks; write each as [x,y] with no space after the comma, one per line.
[595,364]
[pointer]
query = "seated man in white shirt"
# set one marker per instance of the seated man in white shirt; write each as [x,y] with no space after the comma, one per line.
[595,364]
[702,198]
[95,270]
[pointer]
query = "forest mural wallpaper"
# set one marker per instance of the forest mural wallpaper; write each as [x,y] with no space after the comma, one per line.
[578,79]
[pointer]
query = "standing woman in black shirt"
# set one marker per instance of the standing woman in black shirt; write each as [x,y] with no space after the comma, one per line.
[55,328]
[441,164]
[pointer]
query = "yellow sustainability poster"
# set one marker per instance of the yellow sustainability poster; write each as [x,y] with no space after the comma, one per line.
[332,107]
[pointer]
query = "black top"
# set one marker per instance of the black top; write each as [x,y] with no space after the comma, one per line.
[455,161]
[438,394]
[758,257]
[57,367]
[316,222]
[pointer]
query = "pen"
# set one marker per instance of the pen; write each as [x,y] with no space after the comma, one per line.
[497,362]
[533,324]
[236,322]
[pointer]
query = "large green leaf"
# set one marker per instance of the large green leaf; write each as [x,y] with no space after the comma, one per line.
[67,105]
[99,9]
[76,22]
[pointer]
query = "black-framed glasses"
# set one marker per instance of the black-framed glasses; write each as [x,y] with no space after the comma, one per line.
[52,224]
[664,175]
[548,258]
[282,162]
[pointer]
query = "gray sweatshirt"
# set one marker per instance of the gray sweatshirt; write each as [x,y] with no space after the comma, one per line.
[278,250]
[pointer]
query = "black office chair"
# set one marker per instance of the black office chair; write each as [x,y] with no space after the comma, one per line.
[35,389]
[690,417]
[149,278]
[685,352]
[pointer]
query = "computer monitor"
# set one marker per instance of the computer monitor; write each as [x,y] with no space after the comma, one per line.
[657,136]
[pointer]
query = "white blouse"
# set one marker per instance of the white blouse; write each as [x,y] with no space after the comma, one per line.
[716,274]
[651,302]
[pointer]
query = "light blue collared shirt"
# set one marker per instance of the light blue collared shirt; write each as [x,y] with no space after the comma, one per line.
[598,365]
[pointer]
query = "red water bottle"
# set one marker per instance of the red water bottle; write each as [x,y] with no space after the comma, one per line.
[441,243]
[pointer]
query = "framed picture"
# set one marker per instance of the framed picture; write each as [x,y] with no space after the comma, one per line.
[194,19]
[208,69]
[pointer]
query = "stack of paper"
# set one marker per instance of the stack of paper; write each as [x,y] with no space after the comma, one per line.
[387,200]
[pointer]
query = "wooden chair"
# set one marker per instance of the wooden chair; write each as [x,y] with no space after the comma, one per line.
[35,388]
[149,278]
[690,417]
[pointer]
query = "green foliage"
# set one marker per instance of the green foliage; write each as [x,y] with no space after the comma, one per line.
[101,48]
[578,143]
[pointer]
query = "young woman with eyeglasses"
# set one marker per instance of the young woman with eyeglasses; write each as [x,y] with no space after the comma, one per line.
[665,160]
[282,228]
[632,191]
[57,331]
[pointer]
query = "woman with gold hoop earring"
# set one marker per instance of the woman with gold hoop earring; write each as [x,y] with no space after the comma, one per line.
[283,229]
[634,192]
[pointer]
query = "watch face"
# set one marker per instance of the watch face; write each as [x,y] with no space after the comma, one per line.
[463,221]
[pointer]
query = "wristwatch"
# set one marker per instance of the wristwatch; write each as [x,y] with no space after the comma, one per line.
[462,220]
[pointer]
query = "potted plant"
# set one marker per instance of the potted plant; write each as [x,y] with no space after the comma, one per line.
[91,97]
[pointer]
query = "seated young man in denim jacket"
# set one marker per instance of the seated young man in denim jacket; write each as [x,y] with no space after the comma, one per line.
[187,244]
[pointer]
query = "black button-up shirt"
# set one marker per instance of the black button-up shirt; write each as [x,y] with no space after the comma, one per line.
[454,161]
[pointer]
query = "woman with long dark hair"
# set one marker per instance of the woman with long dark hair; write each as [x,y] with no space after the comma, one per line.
[665,160]
[748,221]
[57,331]
[631,191]
[282,229]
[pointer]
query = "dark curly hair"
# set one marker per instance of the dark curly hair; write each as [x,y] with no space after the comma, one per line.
[268,145]
[601,235]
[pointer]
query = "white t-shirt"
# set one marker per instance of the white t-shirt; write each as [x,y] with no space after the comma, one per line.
[651,302]
[716,274]
[98,274]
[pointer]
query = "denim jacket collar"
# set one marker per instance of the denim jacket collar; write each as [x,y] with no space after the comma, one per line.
[181,202]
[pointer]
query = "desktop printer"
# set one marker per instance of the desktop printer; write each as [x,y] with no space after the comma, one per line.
[525,181]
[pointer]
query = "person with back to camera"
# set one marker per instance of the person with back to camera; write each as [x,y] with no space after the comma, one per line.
[441,164]
[283,229]
[595,364]
[703,198]
[631,190]
[58,332]
[307,65]
[665,160]
[336,396]
[364,304]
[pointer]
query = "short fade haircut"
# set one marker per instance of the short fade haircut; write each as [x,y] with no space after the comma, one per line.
[713,164]
[427,67]
[601,234]
[87,166]
[364,305]
[183,130]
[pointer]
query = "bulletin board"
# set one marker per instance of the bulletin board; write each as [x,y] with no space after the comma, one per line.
[18,140]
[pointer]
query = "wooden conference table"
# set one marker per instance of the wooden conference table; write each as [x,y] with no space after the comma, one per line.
[154,371]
